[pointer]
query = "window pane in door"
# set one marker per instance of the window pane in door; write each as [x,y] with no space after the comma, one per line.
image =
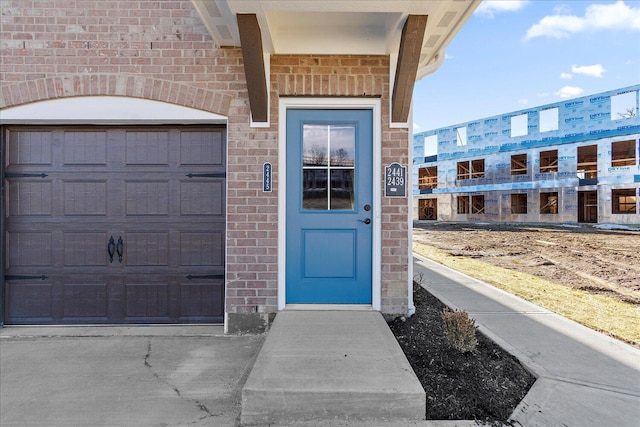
[328,153]
[342,145]
[342,189]
[315,145]
[314,193]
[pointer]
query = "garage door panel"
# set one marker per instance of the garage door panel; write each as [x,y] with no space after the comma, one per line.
[30,148]
[147,148]
[147,198]
[85,249]
[202,249]
[29,301]
[85,301]
[85,148]
[147,300]
[147,249]
[29,198]
[201,148]
[201,300]
[202,197]
[85,198]
[27,249]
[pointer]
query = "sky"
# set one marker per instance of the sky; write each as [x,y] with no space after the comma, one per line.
[512,55]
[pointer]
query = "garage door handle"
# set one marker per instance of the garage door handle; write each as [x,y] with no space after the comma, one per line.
[119,248]
[111,248]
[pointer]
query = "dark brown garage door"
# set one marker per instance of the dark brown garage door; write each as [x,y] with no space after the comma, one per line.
[107,225]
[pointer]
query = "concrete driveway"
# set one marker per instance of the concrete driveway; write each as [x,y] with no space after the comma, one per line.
[123,376]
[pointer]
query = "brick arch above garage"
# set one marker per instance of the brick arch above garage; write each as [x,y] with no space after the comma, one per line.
[24,92]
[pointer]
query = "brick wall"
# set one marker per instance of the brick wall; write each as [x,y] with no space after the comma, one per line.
[358,76]
[252,280]
[150,49]
[160,50]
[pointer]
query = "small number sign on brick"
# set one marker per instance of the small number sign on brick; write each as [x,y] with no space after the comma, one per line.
[395,180]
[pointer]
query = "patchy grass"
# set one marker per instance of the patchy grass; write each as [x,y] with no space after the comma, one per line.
[596,311]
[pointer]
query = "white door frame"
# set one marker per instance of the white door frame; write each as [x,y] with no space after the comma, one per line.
[372,104]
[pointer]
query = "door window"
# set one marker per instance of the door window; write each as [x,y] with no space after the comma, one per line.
[328,166]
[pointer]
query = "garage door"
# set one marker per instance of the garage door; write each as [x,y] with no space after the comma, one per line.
[107,225]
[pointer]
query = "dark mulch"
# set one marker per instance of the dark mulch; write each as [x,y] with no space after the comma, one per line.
[486,385]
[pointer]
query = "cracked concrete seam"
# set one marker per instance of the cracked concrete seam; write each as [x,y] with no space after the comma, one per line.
[201,406]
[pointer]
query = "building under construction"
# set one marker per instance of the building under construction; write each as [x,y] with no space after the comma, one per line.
[574,161]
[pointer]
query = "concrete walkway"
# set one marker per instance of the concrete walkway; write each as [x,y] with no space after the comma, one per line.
[584,378]
[323,366]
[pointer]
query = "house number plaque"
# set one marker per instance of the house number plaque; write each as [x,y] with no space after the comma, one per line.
[266,177]
[395,180]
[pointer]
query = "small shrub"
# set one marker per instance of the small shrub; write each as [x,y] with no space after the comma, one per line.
[418,278]
[459,330]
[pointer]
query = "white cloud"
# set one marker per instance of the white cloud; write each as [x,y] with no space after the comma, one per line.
[569,92]
[566,76]
[556,26]
[614,16]
[416,126]
[489,8]
[595,70]
[523,101]
[562,9]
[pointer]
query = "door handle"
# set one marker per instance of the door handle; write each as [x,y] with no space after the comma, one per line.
[111,248]
[366,221]
[119,248]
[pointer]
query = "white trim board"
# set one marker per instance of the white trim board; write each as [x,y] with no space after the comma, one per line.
[372,104]
[105,110]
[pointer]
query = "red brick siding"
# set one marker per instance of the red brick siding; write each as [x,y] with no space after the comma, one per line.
[357,76]
[160,50]
[252,222]
[156,50]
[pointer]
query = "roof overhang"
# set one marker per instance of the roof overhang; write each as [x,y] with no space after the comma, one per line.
[364,27]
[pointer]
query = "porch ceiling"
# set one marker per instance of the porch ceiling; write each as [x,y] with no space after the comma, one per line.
[338,26]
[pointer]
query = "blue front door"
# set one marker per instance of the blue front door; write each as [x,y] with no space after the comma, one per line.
[329,206]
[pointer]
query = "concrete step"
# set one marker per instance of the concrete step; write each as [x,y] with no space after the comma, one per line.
[331,365]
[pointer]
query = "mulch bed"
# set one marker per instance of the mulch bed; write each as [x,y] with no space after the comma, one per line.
[485,385]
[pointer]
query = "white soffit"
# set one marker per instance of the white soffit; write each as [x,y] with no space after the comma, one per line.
[106,110]
[357,27]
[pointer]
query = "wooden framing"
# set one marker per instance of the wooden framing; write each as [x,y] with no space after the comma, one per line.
[549,161]
[407,68]
[428,177]
[477,168]
[463,170]
[623,201]
[623,153]
[254,70]
[588,161]
[477,204]
[519,164]
[428,209]
[549,203]
[588,206]
[519,203]
[463,205]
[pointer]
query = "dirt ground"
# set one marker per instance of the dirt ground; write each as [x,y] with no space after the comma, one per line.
[596,260]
